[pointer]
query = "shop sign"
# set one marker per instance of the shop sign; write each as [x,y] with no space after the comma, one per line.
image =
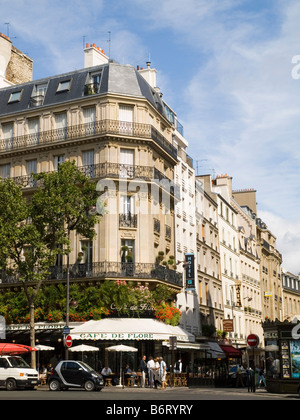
[271,334]
[116,336]
[173,343]
[190,271]
[228,325]
[37,326]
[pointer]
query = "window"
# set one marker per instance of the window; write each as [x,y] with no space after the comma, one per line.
[88,162]
[8,132]
[61,125]
[93,83]
[38,94]
[86,252]
[64,86]
[33,131]
[5,171]
[89,119]
[31,168]
[126,163]
[58,160]
[125,119]
[127,248]
[127,217]
[15,96]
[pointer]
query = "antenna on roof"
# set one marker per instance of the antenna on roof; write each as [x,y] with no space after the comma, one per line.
[7,28]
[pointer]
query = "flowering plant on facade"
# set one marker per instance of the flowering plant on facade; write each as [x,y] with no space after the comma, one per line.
[168,314]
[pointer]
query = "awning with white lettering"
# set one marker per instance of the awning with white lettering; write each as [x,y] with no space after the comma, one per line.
[129,329]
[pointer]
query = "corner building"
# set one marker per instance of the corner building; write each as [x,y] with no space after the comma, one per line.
[111,120]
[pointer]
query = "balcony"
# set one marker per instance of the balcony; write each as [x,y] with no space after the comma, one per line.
[107,269]
[110,170]
[128,220]
[85,131]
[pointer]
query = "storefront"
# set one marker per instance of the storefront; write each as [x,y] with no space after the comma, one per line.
[282,356]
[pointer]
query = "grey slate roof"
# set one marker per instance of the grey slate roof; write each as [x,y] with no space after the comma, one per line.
[115,78]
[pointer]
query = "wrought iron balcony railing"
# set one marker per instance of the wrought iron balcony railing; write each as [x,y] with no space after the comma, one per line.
[108,269]
[82,131]
[128,220]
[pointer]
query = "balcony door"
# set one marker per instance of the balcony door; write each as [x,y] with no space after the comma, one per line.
[89,118]
[61,125]
[88,163]
[126,163]
[127,251]
[33,131]
[126,119]
[31,168]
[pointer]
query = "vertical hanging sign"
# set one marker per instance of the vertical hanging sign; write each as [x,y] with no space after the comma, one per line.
[190,271]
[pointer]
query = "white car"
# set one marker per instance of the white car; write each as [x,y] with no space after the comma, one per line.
[16,373]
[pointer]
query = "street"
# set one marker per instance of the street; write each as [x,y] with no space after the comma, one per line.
[178,395]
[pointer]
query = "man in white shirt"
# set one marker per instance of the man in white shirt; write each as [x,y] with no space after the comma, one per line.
[178,366]
[151,366]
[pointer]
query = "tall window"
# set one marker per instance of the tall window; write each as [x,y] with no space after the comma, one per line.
[8,132]
[5,170]
[58,160]
[89,119]
[61,125]
[126,163]
[88,162]
[127,217]
[31,168]
[125,119]
[127,249]
[86,252]
[33,130]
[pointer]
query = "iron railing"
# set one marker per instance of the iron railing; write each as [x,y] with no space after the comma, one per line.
[82,131]
[108,269]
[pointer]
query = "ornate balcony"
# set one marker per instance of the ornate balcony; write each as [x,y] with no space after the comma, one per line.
[85,131]
[108,269]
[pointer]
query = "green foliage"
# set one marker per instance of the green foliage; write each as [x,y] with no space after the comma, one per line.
[117,297]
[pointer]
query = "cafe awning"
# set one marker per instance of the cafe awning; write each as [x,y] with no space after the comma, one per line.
[129,329]
[231,351]
[215,350]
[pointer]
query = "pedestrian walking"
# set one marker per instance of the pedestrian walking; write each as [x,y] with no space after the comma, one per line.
[144,371]
[251,379]
[239,377]
[150,367]
[162,373]
[156,372]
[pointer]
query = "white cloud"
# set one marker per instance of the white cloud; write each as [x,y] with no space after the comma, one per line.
[288,239]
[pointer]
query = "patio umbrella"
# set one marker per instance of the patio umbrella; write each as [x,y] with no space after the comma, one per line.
[42,347]
[121,348]
[12,348]
[83,348]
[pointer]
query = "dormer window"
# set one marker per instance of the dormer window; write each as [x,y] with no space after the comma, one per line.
[38,94]
[64,86]
[15,96]
[92,85]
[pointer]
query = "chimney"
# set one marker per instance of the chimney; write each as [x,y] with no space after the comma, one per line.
[15,66]
[149,74]
[94,56]
[5,55]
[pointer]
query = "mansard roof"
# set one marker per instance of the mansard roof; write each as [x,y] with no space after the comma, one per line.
[115,79]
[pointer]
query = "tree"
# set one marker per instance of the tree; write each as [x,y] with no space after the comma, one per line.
[23,253]
[65,203]
[33,233]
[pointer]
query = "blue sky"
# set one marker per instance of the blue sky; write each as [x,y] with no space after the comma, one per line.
[224,66]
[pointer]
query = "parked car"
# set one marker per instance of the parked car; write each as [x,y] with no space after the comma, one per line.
[75,374]
[16,373]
